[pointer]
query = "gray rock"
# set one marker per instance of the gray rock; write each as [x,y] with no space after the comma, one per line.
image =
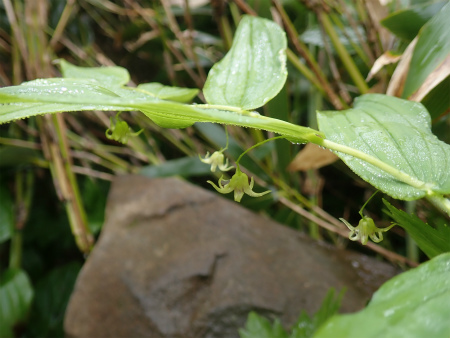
[174,260]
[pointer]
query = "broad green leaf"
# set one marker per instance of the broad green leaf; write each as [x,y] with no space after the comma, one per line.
[109,76]
[397,132]
[16,294]
[20,110]
[414,304]
[177,94]
[432,49]
[162,117]
[57,90]
[432,241]
[57,95]
[254,69]
[259,327]
[6,214]
[45,96]
[406,23]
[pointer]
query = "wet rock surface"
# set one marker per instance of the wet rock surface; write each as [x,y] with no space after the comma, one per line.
[174,260]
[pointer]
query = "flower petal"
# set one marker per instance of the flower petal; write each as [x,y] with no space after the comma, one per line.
[224,167]
[238,195]
[223,190]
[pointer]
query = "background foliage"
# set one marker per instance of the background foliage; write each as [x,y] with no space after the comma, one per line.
[167,42]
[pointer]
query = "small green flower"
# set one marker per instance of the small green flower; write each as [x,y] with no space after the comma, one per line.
[216,160]
[365,229]
[239,184]
[119,131]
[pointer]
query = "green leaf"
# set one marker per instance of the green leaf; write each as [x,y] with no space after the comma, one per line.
[254,70]
[432,48]
[162,117]
[57,91]
[260,327]
[305,326]
[432,241]
[406,23]
[6,214]
[398,133]
[45,96]
[57,95]
[177,94]
[414,304]
[16,294]
[108,76]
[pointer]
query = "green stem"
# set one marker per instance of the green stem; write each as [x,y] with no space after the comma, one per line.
[190,114]
[353,71]
[226,134]
[256,145]
[15,254]
[227,35]
[73,202]
[362,208]
[222,107]
[439,202]
[400,175]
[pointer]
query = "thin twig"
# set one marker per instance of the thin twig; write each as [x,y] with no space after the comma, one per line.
[93,173]
[245,8]
[20,143]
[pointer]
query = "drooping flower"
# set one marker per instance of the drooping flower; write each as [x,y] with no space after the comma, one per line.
[239,184]
[119,131]
[366,228]
[216,160]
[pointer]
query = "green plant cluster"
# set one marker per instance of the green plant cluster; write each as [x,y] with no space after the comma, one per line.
[386,140]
